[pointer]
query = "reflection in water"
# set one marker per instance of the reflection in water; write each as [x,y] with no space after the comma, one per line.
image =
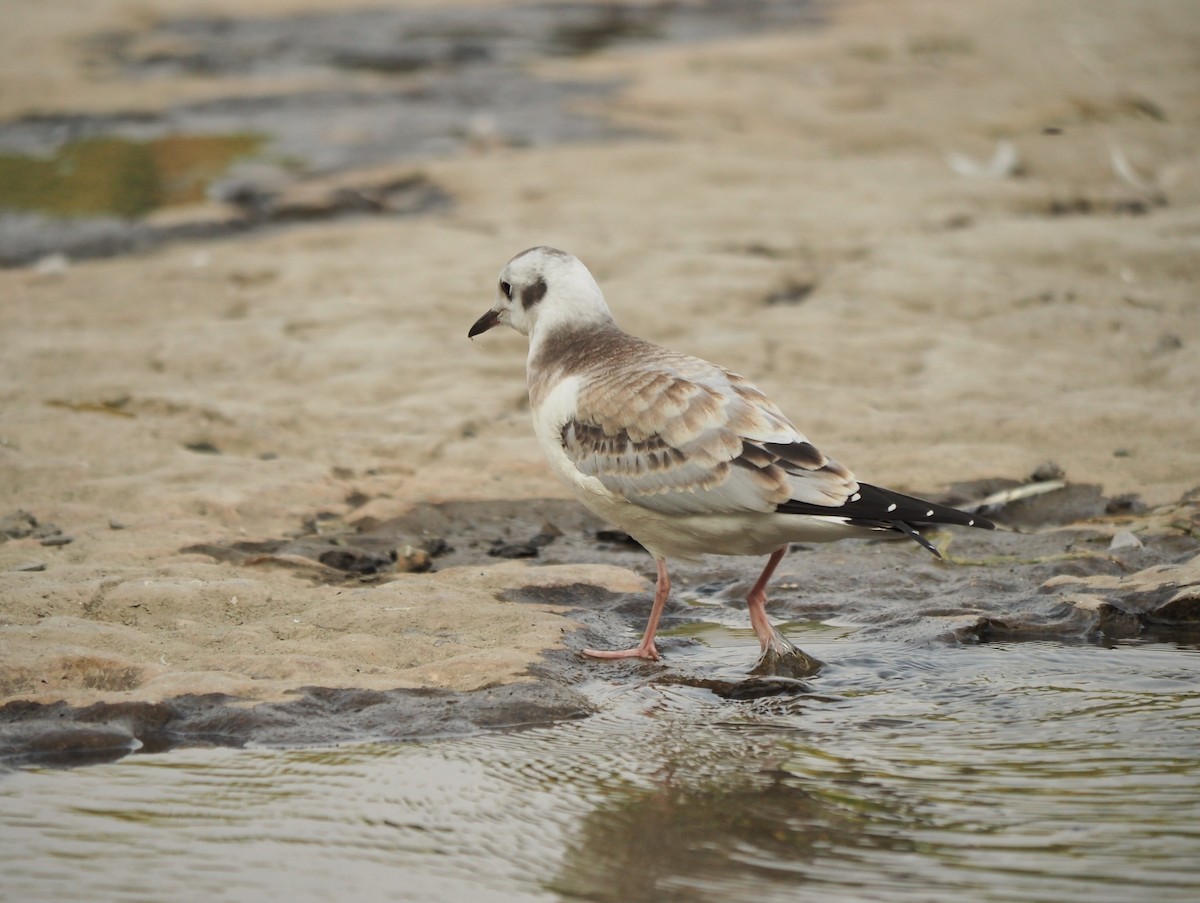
[719,840]
[1000,772]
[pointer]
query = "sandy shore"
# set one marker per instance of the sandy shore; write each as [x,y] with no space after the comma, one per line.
[806,212]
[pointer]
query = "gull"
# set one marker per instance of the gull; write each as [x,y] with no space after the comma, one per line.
[685,456]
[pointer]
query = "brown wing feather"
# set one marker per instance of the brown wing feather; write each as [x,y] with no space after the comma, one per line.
[680,435]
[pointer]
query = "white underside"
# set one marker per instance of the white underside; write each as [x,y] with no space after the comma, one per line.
[690,536]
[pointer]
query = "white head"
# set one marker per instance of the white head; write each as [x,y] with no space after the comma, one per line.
[541,289]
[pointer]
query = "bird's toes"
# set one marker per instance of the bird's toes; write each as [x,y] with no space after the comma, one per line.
[781,659]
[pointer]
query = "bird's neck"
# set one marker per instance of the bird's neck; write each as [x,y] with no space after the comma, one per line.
[568,349]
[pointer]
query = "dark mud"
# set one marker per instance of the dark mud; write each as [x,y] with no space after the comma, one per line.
[60,735]
[989,585]
[1065,583]
[445,80]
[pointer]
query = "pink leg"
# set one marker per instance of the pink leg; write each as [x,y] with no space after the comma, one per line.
[767,635]
[646,648]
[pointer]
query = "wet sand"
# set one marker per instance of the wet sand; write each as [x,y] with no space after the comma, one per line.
[812,208]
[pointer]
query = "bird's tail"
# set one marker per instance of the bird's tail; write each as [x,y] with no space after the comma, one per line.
[882,509]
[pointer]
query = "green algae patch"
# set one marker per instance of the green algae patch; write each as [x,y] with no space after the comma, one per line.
[118,177]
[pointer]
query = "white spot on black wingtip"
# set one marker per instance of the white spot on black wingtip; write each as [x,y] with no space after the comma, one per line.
[892,507]
[856,497]
[929,513]
[971,522]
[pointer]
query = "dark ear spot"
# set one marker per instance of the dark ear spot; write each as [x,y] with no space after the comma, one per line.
[533,293]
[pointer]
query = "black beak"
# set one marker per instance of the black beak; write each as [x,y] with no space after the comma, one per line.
[484,323]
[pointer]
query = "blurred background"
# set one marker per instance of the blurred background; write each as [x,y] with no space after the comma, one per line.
[124,126]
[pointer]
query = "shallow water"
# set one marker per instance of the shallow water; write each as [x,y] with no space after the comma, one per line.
[1006,771]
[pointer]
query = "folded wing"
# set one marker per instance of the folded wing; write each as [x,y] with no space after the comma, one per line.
[687,437]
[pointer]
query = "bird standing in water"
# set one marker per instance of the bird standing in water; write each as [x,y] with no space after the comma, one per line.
[683,455]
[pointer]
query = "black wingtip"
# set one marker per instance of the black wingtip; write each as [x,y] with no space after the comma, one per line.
[911,531]
[899,507]
[872,505]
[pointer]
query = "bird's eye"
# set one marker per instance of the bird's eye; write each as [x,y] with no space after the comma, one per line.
[507,289]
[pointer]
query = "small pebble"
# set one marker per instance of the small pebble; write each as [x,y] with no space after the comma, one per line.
[1048,470]
[29,566]
[1129,503]
[1124,540]
[436,546]
[412,560]
[45,531]
[17,525]
[502,549]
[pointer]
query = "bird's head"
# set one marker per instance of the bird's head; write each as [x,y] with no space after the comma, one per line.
[543,288]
